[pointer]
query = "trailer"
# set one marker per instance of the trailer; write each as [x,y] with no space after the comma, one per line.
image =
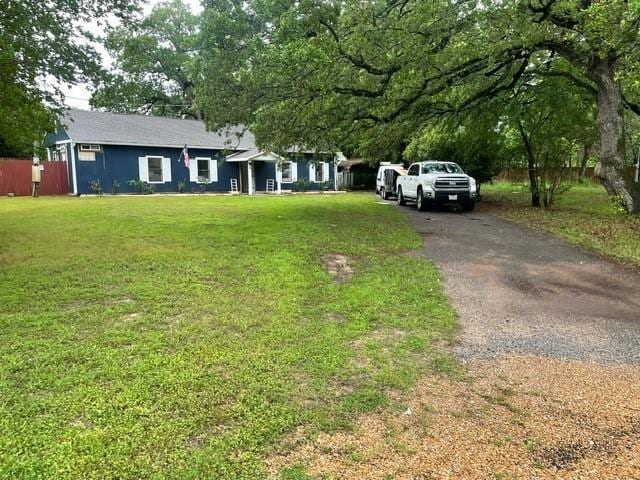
[389,185]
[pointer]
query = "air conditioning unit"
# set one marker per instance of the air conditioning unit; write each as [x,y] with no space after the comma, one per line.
[86,147]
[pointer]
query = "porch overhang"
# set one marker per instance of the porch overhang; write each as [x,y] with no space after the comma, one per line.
[257,155]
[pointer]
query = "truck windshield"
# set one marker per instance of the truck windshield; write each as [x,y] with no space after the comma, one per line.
[441,168]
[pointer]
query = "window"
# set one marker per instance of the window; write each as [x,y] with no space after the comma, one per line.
[86,156]
[441,168]
[287,176]
[204,175]
[414,169]
[62,153]
[155,169]
[319,176]
[85,147]
[203,170]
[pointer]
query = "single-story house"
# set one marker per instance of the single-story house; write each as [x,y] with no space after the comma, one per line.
[117,148]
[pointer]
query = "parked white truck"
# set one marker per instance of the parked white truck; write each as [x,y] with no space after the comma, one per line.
[433,183]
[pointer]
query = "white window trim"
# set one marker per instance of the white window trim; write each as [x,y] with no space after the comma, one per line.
[290,178]
[208,159]
[90,147]
[161,167]
[319,168]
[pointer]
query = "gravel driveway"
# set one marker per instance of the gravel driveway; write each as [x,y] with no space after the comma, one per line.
[518,291]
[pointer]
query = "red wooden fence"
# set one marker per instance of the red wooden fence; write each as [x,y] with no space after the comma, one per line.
[15,177]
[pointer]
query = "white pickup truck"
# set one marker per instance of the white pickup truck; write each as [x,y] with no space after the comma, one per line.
[433,183]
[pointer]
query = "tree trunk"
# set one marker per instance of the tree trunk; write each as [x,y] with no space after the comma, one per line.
[583,162]
[610,167]
[533,171]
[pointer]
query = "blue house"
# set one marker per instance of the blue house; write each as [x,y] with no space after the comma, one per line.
[116,148]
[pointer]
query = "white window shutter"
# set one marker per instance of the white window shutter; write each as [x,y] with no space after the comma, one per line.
[166,169]
[279,172]
[213,170]
[325,171]
[143,168]
[294,172]
[312,172]
[193,170]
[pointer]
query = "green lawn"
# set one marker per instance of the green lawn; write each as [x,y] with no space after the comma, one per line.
[584,215]
[185,337]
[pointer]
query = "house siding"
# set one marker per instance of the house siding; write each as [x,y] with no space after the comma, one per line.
[120,163]
[266,170]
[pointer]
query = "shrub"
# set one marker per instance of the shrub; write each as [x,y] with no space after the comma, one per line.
[96,187]
[301,185]
[182,186]
[115,187]
[328,185]
[143,188]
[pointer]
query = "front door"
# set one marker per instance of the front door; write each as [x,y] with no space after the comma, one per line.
[244,177]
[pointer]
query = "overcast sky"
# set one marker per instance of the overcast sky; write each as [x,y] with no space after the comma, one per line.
[78,95]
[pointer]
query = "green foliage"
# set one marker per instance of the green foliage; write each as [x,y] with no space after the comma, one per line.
[182,186]
[328,185]
[546,138]
[373,75]
[301,185]
[363,400]
[96,187]
[184,337]
[115,187]
[475,144]
[140,186]
[42,47]
[618,205]
[153,64]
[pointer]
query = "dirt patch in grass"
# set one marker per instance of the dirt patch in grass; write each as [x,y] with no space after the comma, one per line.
[514,417]
[338,266]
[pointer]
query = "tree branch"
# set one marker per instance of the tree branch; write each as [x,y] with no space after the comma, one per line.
[358,61]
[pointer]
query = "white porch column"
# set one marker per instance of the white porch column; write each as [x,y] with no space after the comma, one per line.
[250,175]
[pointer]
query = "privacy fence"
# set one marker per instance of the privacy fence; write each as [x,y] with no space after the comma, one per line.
[521,175]
[15,177]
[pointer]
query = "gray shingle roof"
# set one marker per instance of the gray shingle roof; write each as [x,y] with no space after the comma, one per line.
[85,126]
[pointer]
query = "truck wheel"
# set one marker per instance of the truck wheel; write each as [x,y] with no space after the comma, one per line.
[469,205]
[401,200]
[421,205]
[384,194]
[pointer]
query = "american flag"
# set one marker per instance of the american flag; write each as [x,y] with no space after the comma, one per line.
[185,156]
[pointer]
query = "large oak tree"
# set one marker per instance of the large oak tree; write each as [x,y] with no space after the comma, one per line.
[43,46]
[153,63]
[322,73]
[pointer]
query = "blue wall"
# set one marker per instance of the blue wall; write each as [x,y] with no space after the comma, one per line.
[120,163]
[266,170]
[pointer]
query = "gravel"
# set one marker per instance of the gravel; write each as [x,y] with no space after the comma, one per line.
[515,416]
[519,291]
